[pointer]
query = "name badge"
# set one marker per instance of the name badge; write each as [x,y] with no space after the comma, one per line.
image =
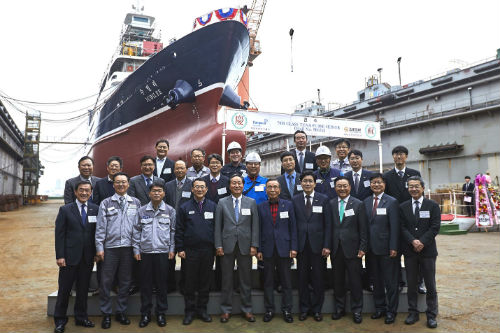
[319,181]
[131,210]
[283,215]
[366,183]
[406,185]
[165,215]
[209,215]
[467,199]
[259,188]
[186,194]
[332,184]
[132,206]
[425,214]
[309,166]
[191,212]
[221,191]
[167,171]
[92,219]
[317,209]
[111,209]
[299,188]
[245,211]
[349,212]
[381,211]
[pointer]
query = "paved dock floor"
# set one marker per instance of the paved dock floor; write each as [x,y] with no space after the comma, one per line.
[468,281]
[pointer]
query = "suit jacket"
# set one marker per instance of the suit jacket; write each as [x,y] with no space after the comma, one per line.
[309,157]
[352,233]
[363,191]
[69,188]
[318,227]
[139,190]
[383,227]
[285,193]
[213,194]
[164,172]
[325,185]
[73,241]
[228,231]
[282,234]
[425,229]
[396,186]
[468,191]
[170,192]
[103,189]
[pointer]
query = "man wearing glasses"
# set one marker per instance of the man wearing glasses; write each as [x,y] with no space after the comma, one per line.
[197,170]
[342,147]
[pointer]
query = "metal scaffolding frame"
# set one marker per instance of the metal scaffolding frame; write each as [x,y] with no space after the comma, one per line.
[31,161]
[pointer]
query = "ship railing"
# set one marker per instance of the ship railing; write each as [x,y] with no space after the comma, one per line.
[460,65]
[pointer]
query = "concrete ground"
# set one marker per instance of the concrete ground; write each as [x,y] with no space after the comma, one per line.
[468,281]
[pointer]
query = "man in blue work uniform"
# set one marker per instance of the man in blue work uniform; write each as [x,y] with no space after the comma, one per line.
[255,184]
[325,175]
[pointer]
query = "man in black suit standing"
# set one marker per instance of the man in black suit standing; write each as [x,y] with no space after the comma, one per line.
[420,223]
[141,184]
[164,167]
[104,186]
[86,167]
[314,242]
[349,245]
[383,240]
[468,190]
[75,254]
[359,178]
[304,159]
[290,180]
[397,187]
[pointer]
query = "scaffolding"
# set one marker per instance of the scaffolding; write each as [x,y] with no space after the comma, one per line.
[31,161]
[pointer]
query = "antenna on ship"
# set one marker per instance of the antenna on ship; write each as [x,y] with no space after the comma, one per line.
[291,48]
[138,7]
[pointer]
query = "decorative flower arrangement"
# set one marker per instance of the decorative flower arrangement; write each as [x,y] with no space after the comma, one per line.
[486,201]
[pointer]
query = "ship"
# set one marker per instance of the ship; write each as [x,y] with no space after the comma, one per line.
[150,92]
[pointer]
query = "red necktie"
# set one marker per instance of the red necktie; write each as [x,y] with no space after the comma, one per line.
[375,205]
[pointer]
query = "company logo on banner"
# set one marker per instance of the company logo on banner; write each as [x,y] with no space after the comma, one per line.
[288,124]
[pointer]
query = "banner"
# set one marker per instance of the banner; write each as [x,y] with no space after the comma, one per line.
[238,120]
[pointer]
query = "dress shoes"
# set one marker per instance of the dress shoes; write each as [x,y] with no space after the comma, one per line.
[145,319]
[287,317]
[161,320]
[59,328]
[303,316]
[249,317]
[432,323]
[133,290]
[337,315]
[377,315]
[106,322]
[205,317]
[268,316]
[317,316]
[84,323]
[421,288]
[411,319]
[188,319]
[357,318]
[224,318]
[389,318]
[122,318]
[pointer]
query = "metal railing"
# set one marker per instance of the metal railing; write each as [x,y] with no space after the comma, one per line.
[451,202]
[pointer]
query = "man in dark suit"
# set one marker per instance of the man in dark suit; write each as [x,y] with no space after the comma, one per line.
[140,184]
[304,159]
[383,240]
[314,242]
[236,237]
[325,175]
[397,187]
[75,255]
[86,167]
[468,190]
[349,245]
[218,184]
[359,178]
[420,223]
[104,186]
[278,243]
[164,167]
[290,180]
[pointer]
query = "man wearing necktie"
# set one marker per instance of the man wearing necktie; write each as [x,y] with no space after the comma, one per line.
[289,181]
[217,182]
[85,168]
[75,255]
[469,200]
[304,159]
[420,223]
[359,178]
[140,184]
[164,167]
[350,243]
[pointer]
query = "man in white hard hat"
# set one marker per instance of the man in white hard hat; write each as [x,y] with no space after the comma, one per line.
[235,165]
[255,184]
[325,174]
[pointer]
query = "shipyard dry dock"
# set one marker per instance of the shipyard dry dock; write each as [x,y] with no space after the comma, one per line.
[468,281]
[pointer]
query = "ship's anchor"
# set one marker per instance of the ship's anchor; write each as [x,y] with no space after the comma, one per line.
[181,93]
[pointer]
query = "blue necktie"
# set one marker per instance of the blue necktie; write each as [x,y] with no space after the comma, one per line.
[236,210]
[290,185]
[84,215]
[148,182]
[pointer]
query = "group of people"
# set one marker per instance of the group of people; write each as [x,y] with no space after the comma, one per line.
[317,208]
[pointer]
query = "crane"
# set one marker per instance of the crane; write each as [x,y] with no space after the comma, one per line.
[255,14]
